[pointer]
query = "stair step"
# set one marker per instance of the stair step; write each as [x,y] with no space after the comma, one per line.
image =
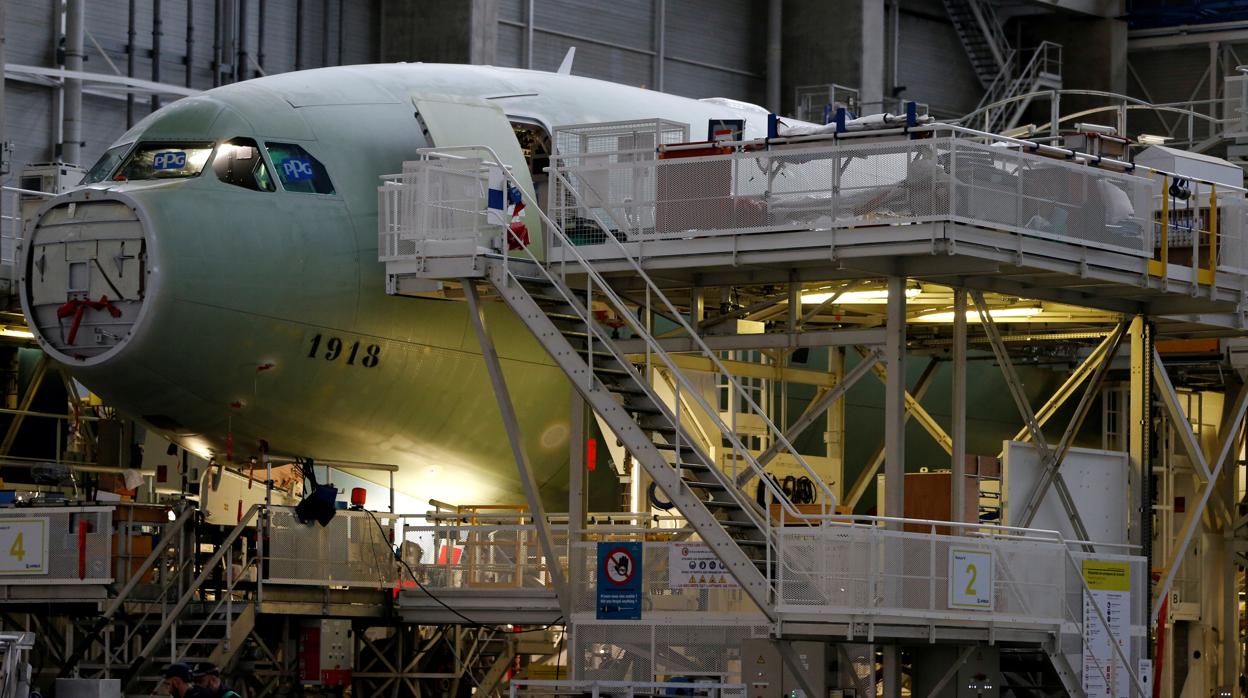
[709,486]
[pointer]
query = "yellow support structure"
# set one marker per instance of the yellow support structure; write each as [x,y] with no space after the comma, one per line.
[1208,275]
[1158,268]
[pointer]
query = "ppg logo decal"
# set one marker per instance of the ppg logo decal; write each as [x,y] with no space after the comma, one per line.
[169,160]
[297,169]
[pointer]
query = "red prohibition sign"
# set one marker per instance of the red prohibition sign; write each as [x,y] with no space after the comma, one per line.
[619,566]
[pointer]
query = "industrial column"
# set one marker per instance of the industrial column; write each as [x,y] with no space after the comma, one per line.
[894,456]
[957,470]
[71,140]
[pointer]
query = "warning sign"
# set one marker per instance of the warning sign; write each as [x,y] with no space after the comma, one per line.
[619,581]
[695,566]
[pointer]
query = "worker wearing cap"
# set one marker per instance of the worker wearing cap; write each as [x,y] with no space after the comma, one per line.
[208,677]
[178,679]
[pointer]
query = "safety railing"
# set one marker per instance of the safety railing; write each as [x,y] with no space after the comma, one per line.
[909,571]
[654,355]
[48,546]
[625,689]
[824,186]
[493,552]
[438,200]
[1199,228]
[351,550]
[998,105]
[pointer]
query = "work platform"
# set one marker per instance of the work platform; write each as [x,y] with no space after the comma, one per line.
[932,204]
[612,276]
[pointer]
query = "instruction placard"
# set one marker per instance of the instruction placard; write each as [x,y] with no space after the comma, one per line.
[971,579]
[695,566]
[23,546]
[1108,595]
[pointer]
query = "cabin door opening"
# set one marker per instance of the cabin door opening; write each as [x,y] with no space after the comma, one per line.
[452,121]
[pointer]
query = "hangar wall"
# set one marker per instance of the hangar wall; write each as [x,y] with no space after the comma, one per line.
[34,30]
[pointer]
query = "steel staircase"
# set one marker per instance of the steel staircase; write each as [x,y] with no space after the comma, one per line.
[620,388]
[207,621]
[730,522]
[982,37]
[1005,73]
[1043,70]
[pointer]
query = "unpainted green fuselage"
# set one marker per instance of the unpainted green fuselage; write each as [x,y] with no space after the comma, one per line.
[264,313]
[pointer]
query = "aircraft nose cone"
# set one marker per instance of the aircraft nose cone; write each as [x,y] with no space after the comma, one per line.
[83,281]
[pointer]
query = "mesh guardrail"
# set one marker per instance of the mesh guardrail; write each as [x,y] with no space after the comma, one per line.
[837,570]
[852,185]
[438,199]
[481,556]
[350,551]
[56,545]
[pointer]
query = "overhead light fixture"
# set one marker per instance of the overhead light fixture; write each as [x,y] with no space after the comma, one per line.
[877,296]
[1006,314]
[1150,139]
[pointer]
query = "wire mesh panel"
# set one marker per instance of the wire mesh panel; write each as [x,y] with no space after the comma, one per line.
[350,551]
[682,631]
[433,199]
[62,545]
[685,194]
[838,570]
[655,651]
[592,149]
[1232,235]
[1008,189]
[489,556]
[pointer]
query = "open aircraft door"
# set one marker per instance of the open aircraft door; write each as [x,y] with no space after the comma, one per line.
[469,121]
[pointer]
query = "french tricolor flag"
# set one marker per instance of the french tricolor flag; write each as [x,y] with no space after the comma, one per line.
[496,202]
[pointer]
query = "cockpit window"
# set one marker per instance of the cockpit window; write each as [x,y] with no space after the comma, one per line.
[240,163]
[164,161]
[104,166]
[298,170]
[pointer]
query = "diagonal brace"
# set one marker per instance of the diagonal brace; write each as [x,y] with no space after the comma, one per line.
[1194,517]
[1054,462]
[1024,408]
[913,408]
[511,423]
[1183,427]
[813,411]
[877,459]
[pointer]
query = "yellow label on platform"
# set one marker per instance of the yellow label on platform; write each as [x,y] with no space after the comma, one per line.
[546,672]
[1107,576]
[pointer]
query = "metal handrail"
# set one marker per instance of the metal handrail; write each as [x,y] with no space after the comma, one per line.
[175,614]
[226,600]
[653,345]
[166,541]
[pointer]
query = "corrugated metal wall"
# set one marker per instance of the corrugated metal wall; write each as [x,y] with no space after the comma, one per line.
[932,64]
[33,31]
[709,48]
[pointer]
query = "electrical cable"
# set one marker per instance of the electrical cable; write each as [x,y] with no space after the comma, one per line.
[399,558]
[803,491]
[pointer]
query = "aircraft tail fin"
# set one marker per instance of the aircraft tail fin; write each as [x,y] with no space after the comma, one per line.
[565,68]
